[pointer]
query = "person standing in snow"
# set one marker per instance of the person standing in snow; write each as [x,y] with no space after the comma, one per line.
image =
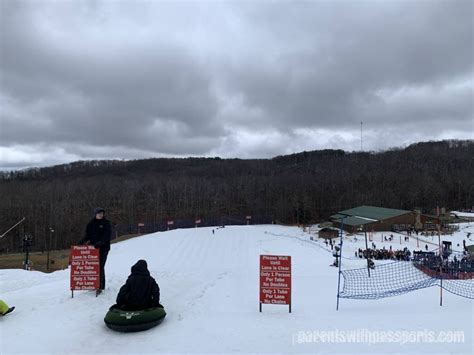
[98,233]
[371,264]
[140,291]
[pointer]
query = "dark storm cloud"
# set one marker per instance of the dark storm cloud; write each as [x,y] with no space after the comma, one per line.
[116,93]
[99,79]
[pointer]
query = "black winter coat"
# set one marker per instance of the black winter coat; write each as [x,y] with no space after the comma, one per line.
[140,291]
[98,233]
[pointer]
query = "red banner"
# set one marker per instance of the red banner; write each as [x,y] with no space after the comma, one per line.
[85,267]
[275,279]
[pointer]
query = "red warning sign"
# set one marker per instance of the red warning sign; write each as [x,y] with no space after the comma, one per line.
[85,267]
[275,279]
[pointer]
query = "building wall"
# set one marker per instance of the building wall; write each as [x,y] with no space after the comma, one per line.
[387,224]
[328,234]
[347,228]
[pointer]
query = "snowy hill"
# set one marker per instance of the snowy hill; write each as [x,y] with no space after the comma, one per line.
[210,286]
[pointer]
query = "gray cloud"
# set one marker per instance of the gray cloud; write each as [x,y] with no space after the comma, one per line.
[344,65]
[97,79]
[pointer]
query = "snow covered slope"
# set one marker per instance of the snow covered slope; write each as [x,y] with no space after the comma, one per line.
[209,287]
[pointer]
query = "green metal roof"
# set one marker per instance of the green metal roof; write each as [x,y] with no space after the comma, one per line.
[470,248]
[355,221]
[337,216]
[325,224]
[377,213]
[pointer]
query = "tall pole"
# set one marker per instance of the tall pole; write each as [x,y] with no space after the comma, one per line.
[340,263]
[361,136]
[51,231]
[367,251]
[440,259]
[26,246]
[27,256]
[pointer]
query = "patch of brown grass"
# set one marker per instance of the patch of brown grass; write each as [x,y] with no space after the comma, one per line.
[58,259]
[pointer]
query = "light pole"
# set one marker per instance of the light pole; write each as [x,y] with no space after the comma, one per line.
[363,229]
[27,239]
[340,262]
[51,231]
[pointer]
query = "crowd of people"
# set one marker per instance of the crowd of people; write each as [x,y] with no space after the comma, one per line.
[462,263]
[384,254]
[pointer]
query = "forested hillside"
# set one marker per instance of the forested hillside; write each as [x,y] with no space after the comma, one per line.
[298,188]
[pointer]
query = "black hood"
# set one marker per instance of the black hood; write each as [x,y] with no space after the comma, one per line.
[98,210]
[140,267]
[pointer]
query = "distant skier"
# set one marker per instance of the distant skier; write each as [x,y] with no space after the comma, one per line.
[4,309]
[140,291]
[98,233]
[213,232]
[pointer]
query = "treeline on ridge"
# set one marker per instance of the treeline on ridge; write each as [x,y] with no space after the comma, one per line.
[299,188]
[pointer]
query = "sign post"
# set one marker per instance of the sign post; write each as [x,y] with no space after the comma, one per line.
[170,224]
[197,222]
[275,280]
[248,218]
[85,268]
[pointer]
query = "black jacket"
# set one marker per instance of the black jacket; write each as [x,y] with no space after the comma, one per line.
[98,233]
[140,291]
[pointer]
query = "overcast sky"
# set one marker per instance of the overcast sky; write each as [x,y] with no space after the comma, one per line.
[131,79]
